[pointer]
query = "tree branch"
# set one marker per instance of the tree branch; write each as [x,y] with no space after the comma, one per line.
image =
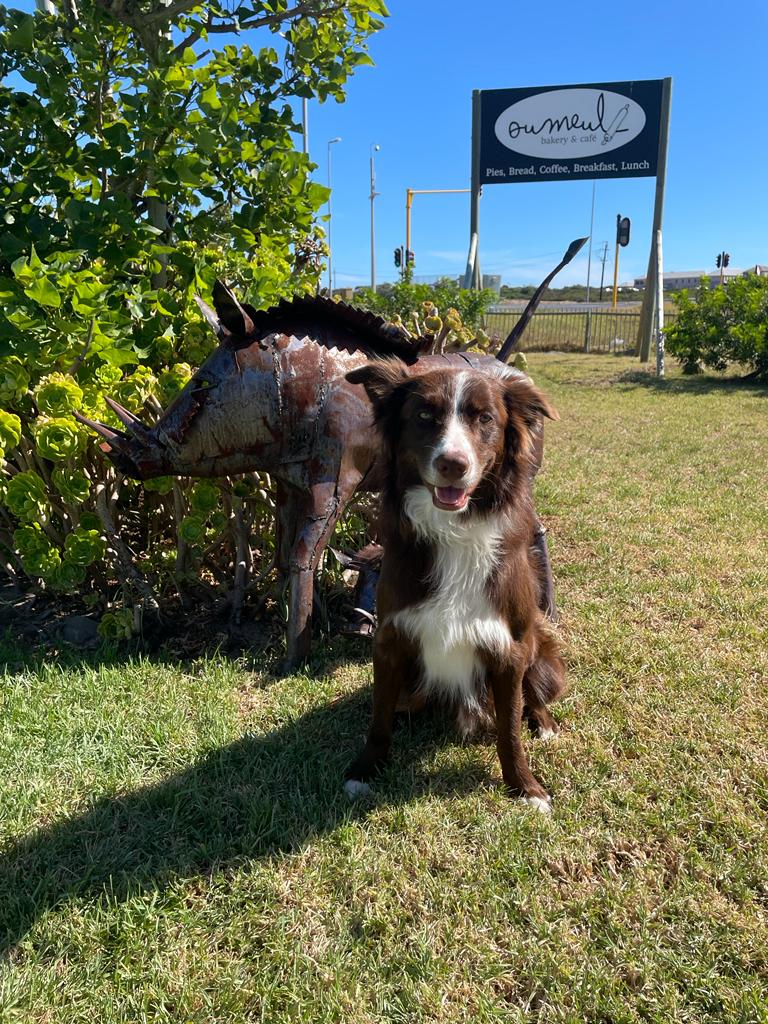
[182,6]
[121,552]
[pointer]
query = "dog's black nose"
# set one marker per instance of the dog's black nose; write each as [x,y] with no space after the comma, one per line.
[452,465]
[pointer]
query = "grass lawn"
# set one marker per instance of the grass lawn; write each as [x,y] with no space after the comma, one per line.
[176,845]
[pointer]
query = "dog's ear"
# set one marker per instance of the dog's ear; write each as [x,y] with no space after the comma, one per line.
[526,406]
[522,394]
[380,379]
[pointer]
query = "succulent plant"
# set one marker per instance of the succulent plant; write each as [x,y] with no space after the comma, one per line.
[58,394]
[26,496]
[58,438]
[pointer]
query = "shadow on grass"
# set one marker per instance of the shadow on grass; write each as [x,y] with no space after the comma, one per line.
[252,649]
[256,797]
[696,384]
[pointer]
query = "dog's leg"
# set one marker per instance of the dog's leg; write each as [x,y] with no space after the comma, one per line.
[390,665]
[507,686]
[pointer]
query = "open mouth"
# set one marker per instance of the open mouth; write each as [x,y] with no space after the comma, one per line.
[451,499]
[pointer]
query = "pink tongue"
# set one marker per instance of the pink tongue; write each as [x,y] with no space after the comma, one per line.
[450,495]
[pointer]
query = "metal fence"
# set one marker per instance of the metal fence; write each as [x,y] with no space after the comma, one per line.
[589,330]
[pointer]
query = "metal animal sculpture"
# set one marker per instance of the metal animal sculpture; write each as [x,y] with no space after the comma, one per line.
[273,397]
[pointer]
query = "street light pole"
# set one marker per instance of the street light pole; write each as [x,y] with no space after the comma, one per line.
[603,258]
[591,230]
[330,216]
[374,149]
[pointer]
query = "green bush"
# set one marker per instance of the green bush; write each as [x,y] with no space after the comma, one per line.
[718,327]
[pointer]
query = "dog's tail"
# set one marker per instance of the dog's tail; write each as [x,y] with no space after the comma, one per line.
[545,679]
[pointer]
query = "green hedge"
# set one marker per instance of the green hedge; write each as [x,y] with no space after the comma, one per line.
[723,326]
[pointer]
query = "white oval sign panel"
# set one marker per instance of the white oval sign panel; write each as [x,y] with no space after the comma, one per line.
[570,123]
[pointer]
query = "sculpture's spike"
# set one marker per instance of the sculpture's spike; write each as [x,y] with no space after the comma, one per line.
[214,323]
[128,419]
[115,437]
[230,312]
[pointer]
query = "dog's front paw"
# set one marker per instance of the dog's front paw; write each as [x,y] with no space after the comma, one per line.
[357,790]
[546,734]
[543,804]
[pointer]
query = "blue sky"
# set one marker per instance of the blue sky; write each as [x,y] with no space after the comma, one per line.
[416,104]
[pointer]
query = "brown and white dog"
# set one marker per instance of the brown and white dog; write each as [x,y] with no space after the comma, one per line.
[458,598]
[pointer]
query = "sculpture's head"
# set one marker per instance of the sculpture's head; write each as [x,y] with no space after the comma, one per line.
[271,393]
[206,430]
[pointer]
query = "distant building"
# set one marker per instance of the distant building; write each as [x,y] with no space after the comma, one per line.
[676,280]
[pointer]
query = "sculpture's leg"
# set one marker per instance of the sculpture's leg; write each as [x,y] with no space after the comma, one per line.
[317,515]
[362,618]
[288,501]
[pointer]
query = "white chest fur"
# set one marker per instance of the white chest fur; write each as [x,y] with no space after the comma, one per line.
[457,619]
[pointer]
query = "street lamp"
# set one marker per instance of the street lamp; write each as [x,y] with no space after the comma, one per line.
[374,149]
[330,215]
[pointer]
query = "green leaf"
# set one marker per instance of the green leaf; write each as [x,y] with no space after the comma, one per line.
[210,98]
[23,36]
[118,356]
[43,291]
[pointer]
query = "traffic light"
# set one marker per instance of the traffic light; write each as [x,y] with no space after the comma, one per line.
[622,230]
[399,256]
[726,258]
[410,259]
[719,260]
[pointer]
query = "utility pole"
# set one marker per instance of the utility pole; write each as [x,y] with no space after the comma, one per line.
[330,216]
[591,229]
[603,259]
[476,190]
[374,193]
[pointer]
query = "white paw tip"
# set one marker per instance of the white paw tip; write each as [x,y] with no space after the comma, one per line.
[355,789]
[548,734]
[540,803]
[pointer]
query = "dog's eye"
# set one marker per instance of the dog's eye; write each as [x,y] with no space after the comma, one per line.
[426,416]
[485,417]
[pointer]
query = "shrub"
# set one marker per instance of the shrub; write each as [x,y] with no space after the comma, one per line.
[722,326]
[428,309]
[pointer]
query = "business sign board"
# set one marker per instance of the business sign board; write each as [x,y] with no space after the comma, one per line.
[569,132]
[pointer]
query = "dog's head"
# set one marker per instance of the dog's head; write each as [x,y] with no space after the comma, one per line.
[461,433]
